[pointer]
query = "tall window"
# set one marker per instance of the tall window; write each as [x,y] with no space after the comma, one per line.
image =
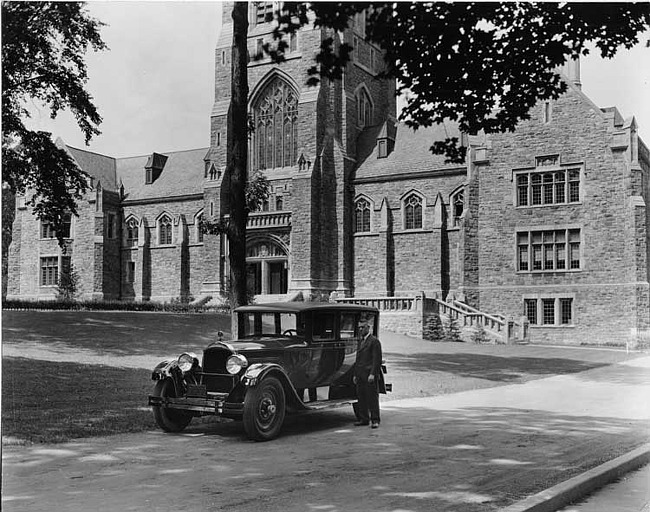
[111,226]
[279,203]
[130,272]
[549,311]
[263,12]
[413,212]
[458,205]
[549,251]
[49,270]
[132,232]
[47,229]
[364,108]
[275,117]
[198,223]
[362,213]
[165,230]
[552,187]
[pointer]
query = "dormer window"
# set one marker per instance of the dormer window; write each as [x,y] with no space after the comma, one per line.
[154,167]
[383,149]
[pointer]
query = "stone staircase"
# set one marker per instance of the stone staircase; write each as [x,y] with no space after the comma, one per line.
[438,320]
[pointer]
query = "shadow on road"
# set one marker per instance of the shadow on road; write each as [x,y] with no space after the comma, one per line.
[489,367]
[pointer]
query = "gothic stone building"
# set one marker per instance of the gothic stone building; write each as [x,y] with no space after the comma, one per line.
[549,222]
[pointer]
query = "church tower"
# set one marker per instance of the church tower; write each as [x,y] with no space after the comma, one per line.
[304,140]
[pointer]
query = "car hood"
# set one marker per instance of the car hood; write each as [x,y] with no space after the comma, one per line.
[251,345]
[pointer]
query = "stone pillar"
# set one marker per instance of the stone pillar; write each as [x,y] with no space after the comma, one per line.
[142,285]
[265,277]
[386,249]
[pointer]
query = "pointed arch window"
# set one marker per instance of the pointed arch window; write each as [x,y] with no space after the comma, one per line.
[198,226]
[458,205]
[364,108]
[165,230]
[275,117]
[132,227]
[362,215]
[413,212]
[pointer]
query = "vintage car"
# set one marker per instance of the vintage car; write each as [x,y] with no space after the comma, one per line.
[281,352]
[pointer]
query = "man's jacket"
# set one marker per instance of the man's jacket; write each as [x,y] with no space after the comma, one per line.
[368,358]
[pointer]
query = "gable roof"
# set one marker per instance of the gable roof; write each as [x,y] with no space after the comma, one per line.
[411,153]
[100,167]
[182,175]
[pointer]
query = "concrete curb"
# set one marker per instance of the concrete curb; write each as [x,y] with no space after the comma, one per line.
[579,486]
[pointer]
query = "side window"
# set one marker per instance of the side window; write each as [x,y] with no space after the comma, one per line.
[324,327]
[348,325]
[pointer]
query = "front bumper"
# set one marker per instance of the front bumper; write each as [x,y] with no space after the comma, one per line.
[214,405]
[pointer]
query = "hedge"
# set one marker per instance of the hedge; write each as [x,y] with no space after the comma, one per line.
[113,305]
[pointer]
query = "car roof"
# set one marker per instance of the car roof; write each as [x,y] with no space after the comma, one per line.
[298,307]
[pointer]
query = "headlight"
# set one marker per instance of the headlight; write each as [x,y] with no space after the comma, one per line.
[186,361]
[235,363]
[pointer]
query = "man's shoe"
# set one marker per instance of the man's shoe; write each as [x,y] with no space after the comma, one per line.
[375,424]
[361,424]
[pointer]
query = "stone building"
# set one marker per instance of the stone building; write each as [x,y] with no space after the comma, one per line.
[548,222]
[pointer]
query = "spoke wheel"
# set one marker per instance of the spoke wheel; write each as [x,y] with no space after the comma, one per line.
[170,420]
[264,410]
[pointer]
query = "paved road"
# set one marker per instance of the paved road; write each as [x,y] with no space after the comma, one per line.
[477,450]
[629,494]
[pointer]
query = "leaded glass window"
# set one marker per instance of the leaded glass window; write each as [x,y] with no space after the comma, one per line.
[362,212]
[275,118]
[413,212]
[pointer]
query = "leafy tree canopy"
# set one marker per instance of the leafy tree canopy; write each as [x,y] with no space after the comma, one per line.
[43,50]
[482,64]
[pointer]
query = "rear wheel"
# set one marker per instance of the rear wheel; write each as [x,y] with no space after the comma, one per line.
[264,410]
[170,420]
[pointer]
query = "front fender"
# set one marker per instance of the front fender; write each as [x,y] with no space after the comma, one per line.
[255,373]
[164,369]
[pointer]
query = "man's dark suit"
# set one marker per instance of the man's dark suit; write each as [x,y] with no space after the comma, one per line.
[368,362]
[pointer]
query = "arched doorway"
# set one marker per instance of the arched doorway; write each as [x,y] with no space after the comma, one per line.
[267,267]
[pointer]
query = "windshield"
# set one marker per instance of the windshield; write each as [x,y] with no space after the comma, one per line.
[269,324]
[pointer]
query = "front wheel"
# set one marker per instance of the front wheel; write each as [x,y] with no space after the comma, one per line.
[264,410]
[170,420]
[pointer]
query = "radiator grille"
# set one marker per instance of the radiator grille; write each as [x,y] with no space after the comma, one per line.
[215,376]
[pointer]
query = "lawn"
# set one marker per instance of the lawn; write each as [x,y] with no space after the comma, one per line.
[50,402]
[115,333]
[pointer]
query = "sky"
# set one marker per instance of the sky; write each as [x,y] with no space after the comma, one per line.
[155,87]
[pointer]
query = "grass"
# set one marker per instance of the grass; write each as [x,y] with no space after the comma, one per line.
[114,333]
[53,402]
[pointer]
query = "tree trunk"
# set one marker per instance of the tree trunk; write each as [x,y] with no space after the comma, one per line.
[238,153]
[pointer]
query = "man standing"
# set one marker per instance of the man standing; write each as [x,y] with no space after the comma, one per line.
[367,372]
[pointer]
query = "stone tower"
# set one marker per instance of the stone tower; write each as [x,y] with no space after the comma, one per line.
[305,142]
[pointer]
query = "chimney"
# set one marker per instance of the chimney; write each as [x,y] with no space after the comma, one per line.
[571,69]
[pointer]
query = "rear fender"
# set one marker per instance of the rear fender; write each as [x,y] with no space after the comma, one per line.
[257,372]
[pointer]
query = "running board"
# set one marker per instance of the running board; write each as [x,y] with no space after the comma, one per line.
[320,405]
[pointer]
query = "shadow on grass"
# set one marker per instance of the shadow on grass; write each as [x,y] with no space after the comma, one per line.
[51,402]
[117,333]
[488,367]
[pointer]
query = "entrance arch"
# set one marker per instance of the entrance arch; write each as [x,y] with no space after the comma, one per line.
[267,266]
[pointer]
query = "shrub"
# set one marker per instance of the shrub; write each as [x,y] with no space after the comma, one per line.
[480,336]
[453,331]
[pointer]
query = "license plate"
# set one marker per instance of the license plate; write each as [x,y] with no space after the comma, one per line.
[197,390]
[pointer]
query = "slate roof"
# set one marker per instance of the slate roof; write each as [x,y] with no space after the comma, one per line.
[411,152]
[100,167]
[182,174]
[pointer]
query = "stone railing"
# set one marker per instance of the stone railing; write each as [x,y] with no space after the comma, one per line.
[263,220]
[409,315]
